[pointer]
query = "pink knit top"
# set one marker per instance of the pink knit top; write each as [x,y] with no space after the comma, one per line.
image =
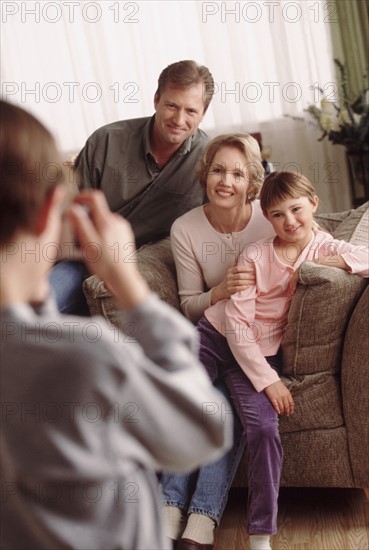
[253,321]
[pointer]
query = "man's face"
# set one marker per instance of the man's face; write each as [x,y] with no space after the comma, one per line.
[179,112]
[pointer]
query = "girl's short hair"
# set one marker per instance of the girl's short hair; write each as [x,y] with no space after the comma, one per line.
[279,186]
[30,166]
[248,146]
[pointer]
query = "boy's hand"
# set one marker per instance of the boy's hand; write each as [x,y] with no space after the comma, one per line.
[281,398]
[40,293]
[108,246]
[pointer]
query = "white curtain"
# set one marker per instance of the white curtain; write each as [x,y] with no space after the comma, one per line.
[80,64]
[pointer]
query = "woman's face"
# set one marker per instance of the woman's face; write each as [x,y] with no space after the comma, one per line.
[228,180]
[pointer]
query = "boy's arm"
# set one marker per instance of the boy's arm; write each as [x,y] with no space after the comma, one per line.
[181,415]
[164,375]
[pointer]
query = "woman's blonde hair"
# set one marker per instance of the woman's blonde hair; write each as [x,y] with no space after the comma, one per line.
[248,146]
[279,186]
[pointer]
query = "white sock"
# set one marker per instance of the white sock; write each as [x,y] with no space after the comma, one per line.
[199,528]
[260,542]
[175,521]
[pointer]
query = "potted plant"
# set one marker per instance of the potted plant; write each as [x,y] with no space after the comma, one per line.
[346,122]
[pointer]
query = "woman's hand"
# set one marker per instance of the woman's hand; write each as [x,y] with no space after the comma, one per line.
[281,398]
[238,278]
[108,247]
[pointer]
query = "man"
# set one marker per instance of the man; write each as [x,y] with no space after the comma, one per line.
[88,415]
[146,167]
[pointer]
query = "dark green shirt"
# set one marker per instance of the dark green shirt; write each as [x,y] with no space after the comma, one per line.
[117,159]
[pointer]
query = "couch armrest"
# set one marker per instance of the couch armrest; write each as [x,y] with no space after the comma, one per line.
[156,265]
[355,389]
[313,344]
[318,317]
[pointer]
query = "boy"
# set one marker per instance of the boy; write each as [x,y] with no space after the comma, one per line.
[85,411]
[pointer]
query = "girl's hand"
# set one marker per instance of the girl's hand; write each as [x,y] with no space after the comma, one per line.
[335,260]
[293,282]
[281,398]
[238,278]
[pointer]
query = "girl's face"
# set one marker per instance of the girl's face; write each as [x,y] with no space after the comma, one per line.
[227,181]
[292,219]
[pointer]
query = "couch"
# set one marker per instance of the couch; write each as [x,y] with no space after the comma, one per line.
[326,360]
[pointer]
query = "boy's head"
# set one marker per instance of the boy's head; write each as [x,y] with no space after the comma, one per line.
[279,186]
[31,169]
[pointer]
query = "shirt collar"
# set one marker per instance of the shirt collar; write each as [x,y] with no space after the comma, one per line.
[146,136]
[183,150]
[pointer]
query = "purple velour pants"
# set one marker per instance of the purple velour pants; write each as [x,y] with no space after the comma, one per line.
[260,423]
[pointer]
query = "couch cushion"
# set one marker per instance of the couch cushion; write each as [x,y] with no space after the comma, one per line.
[331,221]
[355,227]
[317,400]
[318,317]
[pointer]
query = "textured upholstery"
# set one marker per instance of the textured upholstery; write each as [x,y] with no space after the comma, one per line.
[326,360]
[355,389]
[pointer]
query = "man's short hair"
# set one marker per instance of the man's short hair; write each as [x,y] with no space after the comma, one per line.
[30,167]
[185,74]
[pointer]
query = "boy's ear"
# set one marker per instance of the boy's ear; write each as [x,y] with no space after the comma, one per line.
[52,207]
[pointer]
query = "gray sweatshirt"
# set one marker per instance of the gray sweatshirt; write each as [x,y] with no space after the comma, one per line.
[89,414]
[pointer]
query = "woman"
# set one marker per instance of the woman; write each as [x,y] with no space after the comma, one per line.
[206,243]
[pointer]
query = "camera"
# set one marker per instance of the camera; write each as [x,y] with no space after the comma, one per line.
[69,246]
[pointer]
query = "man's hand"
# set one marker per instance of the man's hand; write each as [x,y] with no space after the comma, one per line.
[281,398]
[238,278]
[108,247]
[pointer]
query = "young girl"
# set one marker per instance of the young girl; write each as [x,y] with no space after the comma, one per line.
[241,336]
